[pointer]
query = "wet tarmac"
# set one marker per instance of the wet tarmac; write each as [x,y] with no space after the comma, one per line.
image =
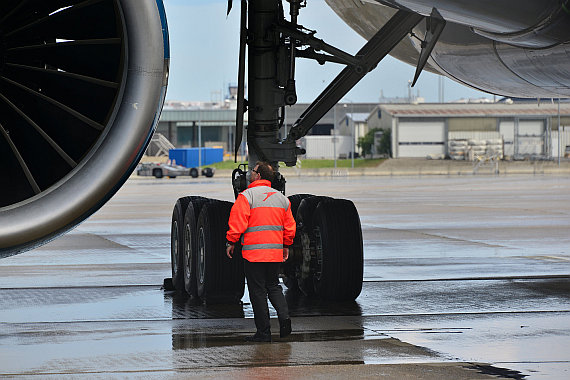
[465,277]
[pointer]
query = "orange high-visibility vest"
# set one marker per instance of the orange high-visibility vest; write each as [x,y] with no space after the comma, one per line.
[263,215]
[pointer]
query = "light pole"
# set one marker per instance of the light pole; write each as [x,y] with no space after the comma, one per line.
[559,134]
[352,119]
[352,132]
[441,89]
[200,140]
[334,135]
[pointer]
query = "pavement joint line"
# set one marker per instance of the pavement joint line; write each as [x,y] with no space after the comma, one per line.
[443,237]
[294,317]
[442,330]
[87,287]
[539,277]
[533,362]
[220,368]
[425,329]
[464,313]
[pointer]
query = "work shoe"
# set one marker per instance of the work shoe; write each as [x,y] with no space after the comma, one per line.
[285,328]
[258,337]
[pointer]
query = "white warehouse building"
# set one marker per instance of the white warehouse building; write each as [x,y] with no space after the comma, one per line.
[419,130]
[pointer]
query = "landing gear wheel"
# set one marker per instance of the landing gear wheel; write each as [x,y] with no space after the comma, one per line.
[217,276]
[289,267]
[296,200]
[177,242]
[338,237]
[191,243]
[305,222]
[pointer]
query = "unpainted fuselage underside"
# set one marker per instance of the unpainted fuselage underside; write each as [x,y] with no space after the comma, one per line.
[509,49]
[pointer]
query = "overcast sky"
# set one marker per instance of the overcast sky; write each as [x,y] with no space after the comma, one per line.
[204,55]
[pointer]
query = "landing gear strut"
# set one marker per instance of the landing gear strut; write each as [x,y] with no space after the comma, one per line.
[326,258]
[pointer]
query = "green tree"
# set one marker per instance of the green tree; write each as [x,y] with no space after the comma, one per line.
[385,146]
[366,142]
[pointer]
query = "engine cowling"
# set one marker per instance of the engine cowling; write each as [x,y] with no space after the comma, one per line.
[82,85]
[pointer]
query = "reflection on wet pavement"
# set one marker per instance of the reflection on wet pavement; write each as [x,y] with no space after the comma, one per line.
[377,298]
[184,307]
[479,275]
[182,340]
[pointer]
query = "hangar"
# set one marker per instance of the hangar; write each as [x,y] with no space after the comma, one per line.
[420,130]
[187,126]
[212,124]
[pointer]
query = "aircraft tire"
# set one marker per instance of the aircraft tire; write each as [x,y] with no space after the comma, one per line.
[290,267]
[177,241]
[217,276]
[304,220]
[190,243]
[338,235]
[194,173]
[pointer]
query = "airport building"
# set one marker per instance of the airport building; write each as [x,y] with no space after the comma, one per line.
[194,124]
[417,130]
[523,129]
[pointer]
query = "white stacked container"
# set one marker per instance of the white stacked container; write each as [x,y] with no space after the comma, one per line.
[457,149]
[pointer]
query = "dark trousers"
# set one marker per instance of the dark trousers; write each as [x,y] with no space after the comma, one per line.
[263,282]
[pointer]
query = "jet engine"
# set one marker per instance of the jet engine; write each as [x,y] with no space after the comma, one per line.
[82,83]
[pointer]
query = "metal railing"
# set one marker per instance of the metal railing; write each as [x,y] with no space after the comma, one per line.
[159,146]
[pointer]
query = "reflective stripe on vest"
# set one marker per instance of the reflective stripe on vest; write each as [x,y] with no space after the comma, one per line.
[252,247]
[264,228]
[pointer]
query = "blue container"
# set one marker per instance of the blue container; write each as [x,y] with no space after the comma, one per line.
[188,157]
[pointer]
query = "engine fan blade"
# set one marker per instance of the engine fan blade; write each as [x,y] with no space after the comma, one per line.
[81,88]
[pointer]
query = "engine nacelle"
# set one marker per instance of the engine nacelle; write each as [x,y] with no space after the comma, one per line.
[82,85]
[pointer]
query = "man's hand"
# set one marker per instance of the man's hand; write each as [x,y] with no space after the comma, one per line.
[285,253]
[230,250]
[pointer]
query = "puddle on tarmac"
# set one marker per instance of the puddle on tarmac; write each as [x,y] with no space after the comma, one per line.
[184,307]
[181,340]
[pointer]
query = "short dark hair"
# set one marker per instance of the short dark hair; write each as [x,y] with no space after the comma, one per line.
[265,170]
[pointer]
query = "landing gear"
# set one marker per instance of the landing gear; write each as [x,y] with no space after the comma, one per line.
[218,277]
[338,250]
[307,248]
[177,242]
[327,256]
[289,267]
[200,266]
[190,244]
[325,260]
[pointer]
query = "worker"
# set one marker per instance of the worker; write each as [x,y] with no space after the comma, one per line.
[262,217]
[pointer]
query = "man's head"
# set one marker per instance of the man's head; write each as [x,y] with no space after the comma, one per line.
[262,170]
